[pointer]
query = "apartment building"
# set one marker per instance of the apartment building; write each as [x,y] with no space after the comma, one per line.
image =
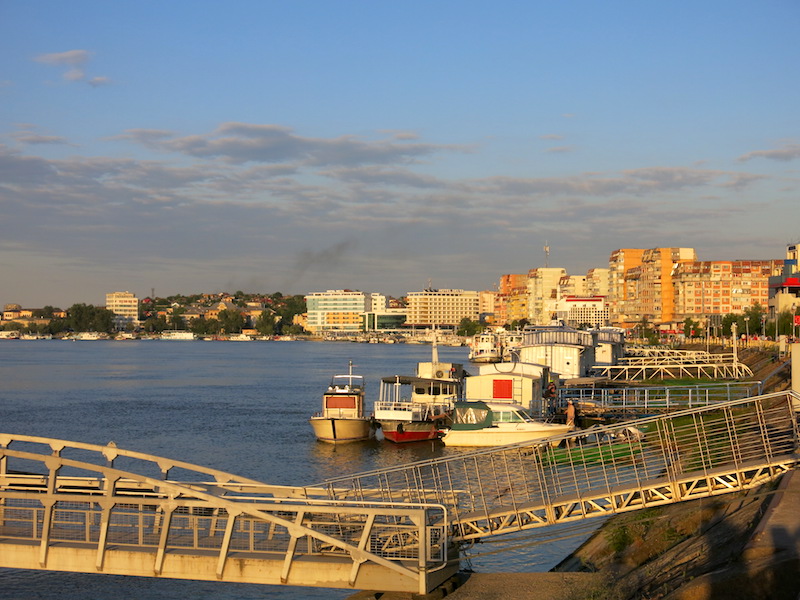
[512,284]
[336,310]
[597,282]
[543,294]
[441,308]
[125,307]
[648,289]
[620,262]
[721,287]
[578,312]
[572,285]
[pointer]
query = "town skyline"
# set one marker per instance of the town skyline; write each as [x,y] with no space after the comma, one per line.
[296,147]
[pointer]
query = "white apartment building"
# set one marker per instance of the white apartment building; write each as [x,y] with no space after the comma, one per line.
[543,294]
[125,307]
[572,285]
[577,311]
[337,310]
[441,308]
[597,282]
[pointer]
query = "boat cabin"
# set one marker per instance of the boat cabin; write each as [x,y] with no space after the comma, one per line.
[468,416]
[344,398]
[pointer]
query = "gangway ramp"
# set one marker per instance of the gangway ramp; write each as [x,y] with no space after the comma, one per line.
[71,506]
[689,454]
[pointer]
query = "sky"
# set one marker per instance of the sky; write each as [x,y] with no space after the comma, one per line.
[193,146]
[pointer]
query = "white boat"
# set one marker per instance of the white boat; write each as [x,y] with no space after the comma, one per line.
[240,337]
[175,334]
[412,409]
[83,336]
[485,348]
[9,335]
[510,342]
[342,419]
[485,424]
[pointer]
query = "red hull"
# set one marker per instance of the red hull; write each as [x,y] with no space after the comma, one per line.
[414,431]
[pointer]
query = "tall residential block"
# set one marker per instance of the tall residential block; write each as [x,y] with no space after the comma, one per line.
[644,291]
[619,263]
[543,294]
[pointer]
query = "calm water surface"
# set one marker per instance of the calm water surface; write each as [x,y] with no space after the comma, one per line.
[237,407]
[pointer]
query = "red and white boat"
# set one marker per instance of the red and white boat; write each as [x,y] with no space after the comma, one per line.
[413,409]
[343,418]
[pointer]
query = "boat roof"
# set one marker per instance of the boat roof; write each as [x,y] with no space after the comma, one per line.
[409,379]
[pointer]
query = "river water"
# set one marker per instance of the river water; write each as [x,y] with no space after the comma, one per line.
[238,407]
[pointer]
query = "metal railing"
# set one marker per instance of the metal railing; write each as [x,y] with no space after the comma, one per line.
[67,497]
[688,454]
[646,401]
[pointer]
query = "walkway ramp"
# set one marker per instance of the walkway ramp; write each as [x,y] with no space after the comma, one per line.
[689,454]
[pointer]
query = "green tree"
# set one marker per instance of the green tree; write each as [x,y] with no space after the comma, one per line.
[231,321]
[691,329]
[468,327]
[265,323]
[86,317]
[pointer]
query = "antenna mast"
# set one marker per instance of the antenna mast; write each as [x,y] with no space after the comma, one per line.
[546,254]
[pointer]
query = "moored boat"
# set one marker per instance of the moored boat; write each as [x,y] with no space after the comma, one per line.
[417,408]
[482,424]
[177,334]
[343,419]
[485,348]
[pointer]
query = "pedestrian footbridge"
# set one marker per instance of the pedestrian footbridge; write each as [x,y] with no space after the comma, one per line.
[79,507]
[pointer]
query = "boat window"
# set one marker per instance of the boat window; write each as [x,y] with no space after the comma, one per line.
[470,415]
[509,416]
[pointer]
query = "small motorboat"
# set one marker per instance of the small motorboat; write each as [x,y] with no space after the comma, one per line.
[342,419]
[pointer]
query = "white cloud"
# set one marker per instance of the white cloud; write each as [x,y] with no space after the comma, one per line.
[787,153]
[74,61]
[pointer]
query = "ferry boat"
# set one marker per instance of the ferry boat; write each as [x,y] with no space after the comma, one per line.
[483,424]
[485,348]
[417,408]
[342,419]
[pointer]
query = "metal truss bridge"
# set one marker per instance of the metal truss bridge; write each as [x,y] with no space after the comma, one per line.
[100,509]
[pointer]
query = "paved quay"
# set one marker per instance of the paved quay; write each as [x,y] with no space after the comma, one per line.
[502,586]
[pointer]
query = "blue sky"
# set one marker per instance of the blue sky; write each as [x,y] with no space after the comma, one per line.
[301,146]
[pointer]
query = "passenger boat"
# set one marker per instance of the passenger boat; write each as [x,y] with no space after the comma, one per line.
[342,419]
[485,348]
[417,408]
[483,424]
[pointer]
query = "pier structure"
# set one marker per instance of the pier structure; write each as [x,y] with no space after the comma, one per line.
[631,402]
[71,506]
